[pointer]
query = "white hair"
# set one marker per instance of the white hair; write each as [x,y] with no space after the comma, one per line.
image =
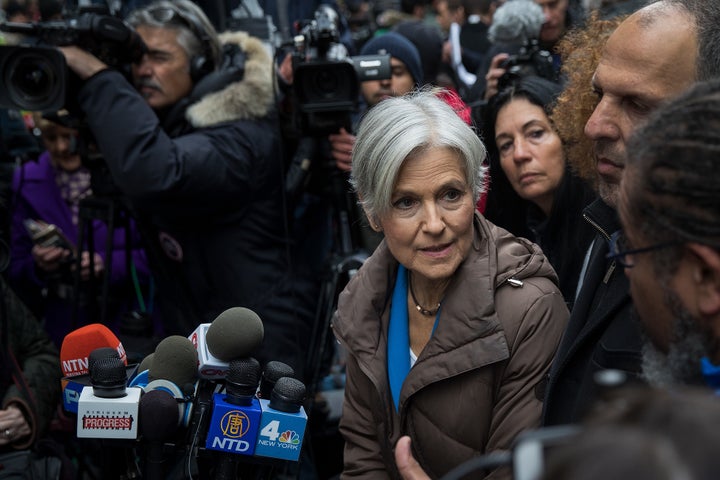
[400,127]
[516,22]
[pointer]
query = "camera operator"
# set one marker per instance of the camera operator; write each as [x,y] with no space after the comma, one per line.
[407,73]
[194,146]
[521,36]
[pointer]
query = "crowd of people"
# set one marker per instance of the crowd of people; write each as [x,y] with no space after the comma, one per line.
[531,191]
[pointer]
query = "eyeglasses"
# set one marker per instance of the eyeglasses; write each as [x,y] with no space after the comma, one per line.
[619,250]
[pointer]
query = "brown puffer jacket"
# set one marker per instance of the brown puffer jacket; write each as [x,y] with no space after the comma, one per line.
[477,383]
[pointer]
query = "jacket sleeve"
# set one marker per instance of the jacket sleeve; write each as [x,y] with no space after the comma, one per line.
[38,359]
[206,165]
[362,456]
[540,318]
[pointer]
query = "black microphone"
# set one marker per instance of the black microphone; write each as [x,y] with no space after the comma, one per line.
[159,420]
[108,411]
[107,375]
[273,371]
[236,417]
[283,421]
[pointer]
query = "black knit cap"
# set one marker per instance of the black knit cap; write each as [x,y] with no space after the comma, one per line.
[399,47]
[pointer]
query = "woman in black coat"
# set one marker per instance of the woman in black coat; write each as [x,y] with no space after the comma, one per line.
[534,194]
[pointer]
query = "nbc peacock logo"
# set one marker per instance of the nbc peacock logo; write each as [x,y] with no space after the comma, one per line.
[290,437]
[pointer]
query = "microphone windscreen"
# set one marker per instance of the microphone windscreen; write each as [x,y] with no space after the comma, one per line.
[158,414]
[146,363]
[108,378]
[243,376]
[516,22]
[235,333]
[288,395]
[78,344]
[176,360]
[272,372]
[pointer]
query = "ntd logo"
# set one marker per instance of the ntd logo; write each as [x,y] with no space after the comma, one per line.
[234,424]
[233,428]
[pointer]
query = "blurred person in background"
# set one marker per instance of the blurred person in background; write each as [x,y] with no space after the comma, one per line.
[50,191]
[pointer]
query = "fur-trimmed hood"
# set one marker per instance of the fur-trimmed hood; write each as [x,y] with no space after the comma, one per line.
[252,97]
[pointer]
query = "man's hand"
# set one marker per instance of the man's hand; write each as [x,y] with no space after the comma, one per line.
[407,465]
[494,74]
[13,425]
[84,64]
[342,144]
[285,69]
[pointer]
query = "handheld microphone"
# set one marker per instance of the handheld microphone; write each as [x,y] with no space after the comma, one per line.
[283,421]
[75,352]
[159,419]
[272,372]
[516,22]
[235,333]
[108,409]
[174,370]
[236,414]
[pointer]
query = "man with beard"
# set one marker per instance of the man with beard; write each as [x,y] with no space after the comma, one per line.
[669,205]
[654,55]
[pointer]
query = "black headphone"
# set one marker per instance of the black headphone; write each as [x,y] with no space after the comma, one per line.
[200,65]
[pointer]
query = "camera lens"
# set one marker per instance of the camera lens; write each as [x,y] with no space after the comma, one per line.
[326,83]
[32,79]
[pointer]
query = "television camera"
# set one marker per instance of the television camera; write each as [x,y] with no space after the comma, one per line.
[530,60]
[326,80]
[35,75]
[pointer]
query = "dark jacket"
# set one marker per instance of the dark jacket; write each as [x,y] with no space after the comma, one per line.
[563,236]
[475,385]
[206,187]
[600,334]
[38,359]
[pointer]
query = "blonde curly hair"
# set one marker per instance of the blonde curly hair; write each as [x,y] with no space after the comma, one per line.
[580,49]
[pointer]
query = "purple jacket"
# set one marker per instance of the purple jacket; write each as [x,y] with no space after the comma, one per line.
[36,196]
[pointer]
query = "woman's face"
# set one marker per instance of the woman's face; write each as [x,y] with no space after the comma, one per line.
[531,153]
[61,143]
[429,228]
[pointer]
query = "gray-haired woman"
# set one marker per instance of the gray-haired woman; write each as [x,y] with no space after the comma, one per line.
[452,323]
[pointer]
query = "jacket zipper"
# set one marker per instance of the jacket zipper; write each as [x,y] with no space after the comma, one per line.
[602,231]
